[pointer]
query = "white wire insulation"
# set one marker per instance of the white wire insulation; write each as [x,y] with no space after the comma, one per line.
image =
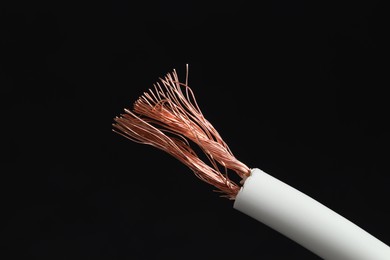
[306,221]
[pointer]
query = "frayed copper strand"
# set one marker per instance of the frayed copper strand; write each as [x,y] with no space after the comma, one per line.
[166,118]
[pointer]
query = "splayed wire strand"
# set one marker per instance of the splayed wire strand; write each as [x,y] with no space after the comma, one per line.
[168,118]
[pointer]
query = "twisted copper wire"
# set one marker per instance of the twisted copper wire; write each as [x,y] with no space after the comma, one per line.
[167,118]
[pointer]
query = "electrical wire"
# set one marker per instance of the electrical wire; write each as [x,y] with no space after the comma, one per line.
[168,117]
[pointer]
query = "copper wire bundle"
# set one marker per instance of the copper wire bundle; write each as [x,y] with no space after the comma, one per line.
[168,118]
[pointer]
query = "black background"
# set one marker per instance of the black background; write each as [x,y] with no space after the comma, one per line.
[296,89]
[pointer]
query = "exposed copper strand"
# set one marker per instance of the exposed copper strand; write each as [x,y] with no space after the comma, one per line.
[167,118]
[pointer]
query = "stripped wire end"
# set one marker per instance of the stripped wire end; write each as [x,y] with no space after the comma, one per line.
[168,118]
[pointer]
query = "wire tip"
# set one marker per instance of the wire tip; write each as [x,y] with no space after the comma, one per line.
[169,118]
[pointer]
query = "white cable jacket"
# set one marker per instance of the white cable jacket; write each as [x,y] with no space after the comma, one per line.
[306,221]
